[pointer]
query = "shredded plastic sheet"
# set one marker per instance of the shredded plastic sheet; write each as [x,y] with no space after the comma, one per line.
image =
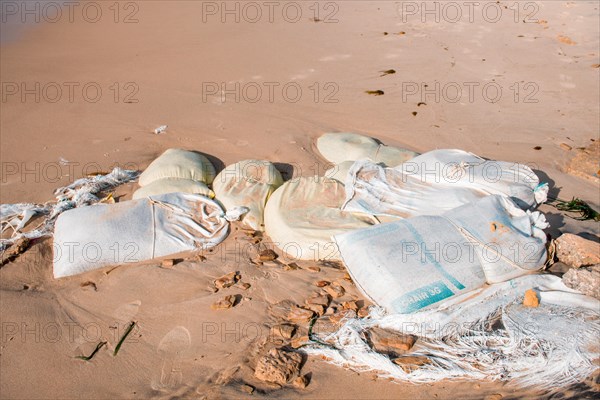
[136,231]
[487,334]
[80,193]
[436,182]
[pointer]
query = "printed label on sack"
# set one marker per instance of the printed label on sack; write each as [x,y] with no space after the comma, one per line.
[422,297]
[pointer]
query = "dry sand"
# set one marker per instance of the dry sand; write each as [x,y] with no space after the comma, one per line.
[161,63]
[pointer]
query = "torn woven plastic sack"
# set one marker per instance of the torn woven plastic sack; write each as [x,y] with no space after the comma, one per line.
[436,182]
[415,263]
[93,237]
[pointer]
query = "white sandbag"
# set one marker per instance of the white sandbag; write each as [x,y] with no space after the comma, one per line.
[436,182]
[303,214]
[132,231]
[340,147]
[248,183]
[173,185]
[182,164]
[414,263]
[339,172]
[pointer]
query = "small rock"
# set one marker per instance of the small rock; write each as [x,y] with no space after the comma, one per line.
[347,277]
[565,146]
[320,299]
[350,305]
[321,283]
[247,389]
[531,299]
[285,331]
[227,280]
[331,311]
[411,363]
[279,366]
[387,341]
[585,163]
[576,251]
[363,312]
[291,267]
[299,341]
[316,308]
[585,280]
[341,315]
[224,303]
[495,396]
[267,255]
[168,263]
[314,268]
[301,382]
[335,290]
[243,285]
[300,315]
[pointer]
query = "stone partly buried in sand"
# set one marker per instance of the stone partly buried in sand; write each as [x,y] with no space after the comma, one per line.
[576,251]
[586,163]
[585,280]
[225,303]
[300,315]
[335,290]
[227,280]
[278,366]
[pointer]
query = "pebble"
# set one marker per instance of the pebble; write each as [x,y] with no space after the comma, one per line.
[285,331]
[224,303]
[227,280]
[267,255]
[300,315]
[301,382]
[335,290]
[531,299]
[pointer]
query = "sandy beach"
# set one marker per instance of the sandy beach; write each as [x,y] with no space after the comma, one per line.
[84,89]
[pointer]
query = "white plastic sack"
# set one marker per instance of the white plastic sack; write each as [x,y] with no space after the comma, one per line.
[303,214]
[173,185]
[412,264]
[339,172]
[340,147]
[436,182]
[97,236]
[248,183]
[181,164]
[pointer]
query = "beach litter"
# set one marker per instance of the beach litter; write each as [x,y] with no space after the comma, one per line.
[452,259]
[143,229]
[160,129]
